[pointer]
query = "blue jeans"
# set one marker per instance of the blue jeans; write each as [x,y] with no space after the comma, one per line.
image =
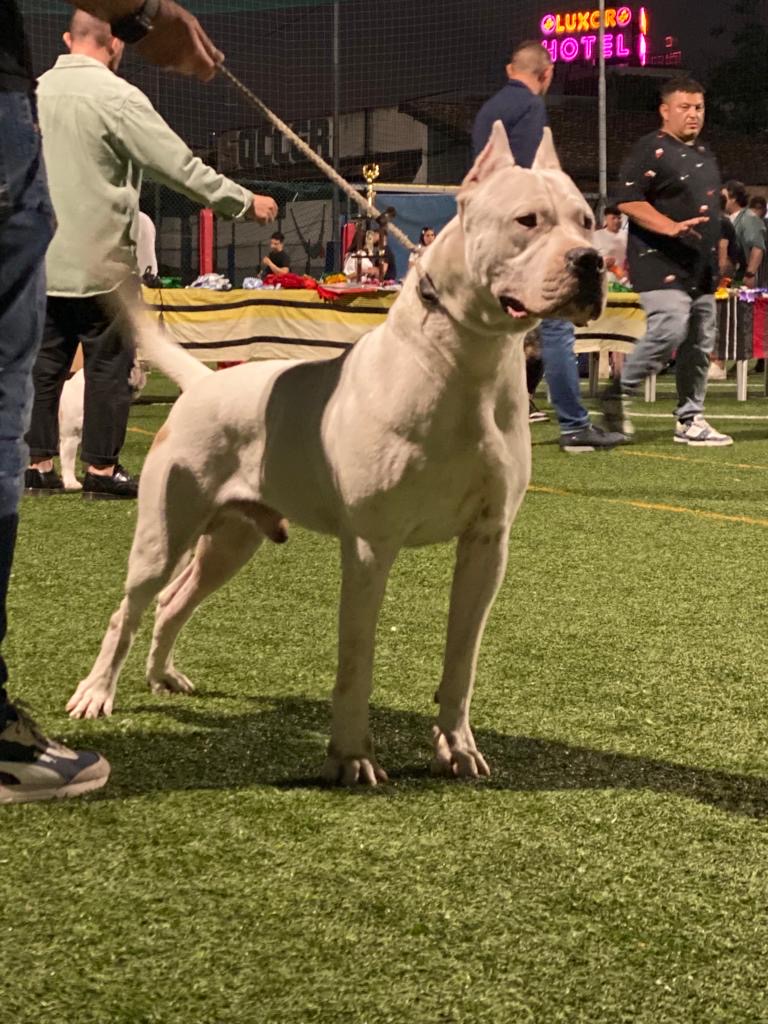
[561,372]
[26,228]
[675,321]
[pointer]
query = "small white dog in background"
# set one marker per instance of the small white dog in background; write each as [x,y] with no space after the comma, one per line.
[71,419]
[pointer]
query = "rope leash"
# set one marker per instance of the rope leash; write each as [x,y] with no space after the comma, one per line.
[316,159]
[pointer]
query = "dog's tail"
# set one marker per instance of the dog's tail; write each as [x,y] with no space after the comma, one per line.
[166,355]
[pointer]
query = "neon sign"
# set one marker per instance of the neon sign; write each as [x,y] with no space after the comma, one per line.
[574,36]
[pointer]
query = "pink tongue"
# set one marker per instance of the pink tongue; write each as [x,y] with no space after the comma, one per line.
[516,313]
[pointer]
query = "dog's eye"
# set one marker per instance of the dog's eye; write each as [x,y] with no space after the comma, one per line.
[588,223]
[528,221]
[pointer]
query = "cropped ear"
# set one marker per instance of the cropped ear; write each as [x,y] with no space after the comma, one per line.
[546,155]
[495,156]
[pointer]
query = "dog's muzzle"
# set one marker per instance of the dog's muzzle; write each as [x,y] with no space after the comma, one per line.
[587,266]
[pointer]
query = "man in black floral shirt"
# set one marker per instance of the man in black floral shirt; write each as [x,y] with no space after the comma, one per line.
[670,191]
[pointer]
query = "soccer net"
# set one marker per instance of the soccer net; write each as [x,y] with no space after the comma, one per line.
[398,85]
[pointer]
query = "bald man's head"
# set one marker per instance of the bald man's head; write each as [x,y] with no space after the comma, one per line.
[531,63]
[93,37]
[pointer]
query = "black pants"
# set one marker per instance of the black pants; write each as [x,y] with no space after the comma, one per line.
[534,371]
[108,357]
[8,525]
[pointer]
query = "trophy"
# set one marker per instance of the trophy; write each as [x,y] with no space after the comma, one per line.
[370,173]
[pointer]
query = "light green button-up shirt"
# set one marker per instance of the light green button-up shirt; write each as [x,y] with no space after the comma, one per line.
[99,134]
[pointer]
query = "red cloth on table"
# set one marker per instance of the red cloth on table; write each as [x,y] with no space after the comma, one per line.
[291,281]
[338,291]
[758,328]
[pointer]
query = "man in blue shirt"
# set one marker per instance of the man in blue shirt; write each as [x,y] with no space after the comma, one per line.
[519,105]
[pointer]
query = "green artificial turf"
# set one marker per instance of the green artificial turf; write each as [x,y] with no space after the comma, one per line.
[612,870]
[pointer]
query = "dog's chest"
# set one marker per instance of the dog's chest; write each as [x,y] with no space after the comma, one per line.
[432,489]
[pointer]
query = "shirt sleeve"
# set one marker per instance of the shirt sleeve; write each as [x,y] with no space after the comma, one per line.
[143,135]
[636,178]
[752,233]
[481,131]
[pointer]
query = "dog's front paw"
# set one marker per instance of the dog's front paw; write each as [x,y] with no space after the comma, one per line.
[91,699]
[456,754]
[170,681]
[353,771]
[72,484]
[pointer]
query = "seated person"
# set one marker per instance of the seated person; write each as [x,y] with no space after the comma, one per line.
[386,258]
[359,263]
[277,260]
[426,236]
[370,256]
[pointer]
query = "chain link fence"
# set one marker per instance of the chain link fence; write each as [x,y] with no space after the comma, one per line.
[399,85]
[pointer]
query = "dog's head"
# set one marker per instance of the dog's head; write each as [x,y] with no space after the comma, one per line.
[528,235]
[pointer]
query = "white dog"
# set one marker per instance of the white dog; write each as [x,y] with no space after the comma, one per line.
[416,435]
[71,406]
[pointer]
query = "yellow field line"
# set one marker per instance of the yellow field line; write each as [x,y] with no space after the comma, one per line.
[140,430]
[649,506]
[687,458]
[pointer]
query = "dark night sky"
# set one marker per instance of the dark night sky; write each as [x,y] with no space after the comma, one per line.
[691,21]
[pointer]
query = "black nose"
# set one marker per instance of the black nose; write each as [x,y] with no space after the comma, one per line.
[584,261]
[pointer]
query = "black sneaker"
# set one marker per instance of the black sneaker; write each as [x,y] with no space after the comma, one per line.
[33,767]
[37,482]
[590,439]
[119,485]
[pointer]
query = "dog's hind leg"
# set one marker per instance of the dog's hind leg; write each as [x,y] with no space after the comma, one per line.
[364,578]
[68,457]
[481,558]
[228,543]
[95,695]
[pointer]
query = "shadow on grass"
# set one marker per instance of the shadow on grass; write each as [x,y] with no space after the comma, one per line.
[281,743]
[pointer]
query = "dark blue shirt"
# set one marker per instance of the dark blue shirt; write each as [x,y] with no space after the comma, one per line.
[522,113]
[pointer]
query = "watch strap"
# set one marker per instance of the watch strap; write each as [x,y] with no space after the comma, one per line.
[133,27]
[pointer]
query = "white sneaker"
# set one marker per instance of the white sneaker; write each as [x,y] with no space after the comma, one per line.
[716,372]
[536,415]
[698,432]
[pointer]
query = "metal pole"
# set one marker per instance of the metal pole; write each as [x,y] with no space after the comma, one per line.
[602,147]
[335,205]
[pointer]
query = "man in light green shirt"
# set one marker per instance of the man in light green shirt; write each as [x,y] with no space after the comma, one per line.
[99,135]
[750,233]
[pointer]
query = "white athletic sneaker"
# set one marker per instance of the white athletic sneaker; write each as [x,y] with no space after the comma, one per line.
[33,767]
[536,415]
[716,372]
[698,432]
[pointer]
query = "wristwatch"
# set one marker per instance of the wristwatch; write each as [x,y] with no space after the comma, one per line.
[135,26]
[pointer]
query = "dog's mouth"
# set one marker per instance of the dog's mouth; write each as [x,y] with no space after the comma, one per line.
[513,307]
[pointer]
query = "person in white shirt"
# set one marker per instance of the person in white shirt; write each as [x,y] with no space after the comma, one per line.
[611,241]
[146,254]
